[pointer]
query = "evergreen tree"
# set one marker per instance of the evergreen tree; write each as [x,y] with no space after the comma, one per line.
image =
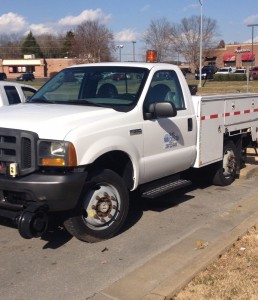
[68,44]
[30,46]
[221,44]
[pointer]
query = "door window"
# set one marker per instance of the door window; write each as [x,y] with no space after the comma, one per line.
[12,95]
[165,86]
[28,92]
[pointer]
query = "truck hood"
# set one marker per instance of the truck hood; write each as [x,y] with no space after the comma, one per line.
[52,121]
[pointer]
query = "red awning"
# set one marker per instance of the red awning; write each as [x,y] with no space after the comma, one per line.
[247,56]
[229,57]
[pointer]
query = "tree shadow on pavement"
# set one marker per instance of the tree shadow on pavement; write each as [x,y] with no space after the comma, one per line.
[139,205]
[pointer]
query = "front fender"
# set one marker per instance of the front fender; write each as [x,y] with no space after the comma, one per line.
[89,153]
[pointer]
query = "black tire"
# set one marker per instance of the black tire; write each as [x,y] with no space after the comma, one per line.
[103,208]
[226,170]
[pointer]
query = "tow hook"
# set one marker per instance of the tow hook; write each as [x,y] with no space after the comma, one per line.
[33,221]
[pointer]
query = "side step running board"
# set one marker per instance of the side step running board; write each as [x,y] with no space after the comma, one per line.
[165,188]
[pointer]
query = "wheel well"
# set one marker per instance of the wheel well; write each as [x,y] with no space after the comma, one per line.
[118,162]
[241,141]
[235,139]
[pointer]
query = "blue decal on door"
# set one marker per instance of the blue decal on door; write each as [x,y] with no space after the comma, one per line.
[170,140]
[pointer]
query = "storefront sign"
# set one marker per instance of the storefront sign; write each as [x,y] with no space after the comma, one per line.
[242,50]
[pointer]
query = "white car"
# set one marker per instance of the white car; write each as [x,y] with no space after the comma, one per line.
[226,70]
[14,93]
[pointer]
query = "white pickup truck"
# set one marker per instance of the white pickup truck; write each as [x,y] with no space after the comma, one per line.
[95,133]
[14,93]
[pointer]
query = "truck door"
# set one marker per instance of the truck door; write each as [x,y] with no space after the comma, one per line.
[169,143]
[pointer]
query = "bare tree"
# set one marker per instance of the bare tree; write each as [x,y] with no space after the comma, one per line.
[10,46]
[50,45]
[158,37]
[93,42]
[186,37]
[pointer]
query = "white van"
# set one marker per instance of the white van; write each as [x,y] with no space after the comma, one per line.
[226,70]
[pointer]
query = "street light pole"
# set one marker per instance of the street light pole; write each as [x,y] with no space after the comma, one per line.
[200,63]
[252,56]
[252,25]
[120,47]
[133,50]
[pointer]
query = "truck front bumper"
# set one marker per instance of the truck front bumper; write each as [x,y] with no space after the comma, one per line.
[28,200]
[57,192]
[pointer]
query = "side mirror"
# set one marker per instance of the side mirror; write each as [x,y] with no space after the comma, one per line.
[161,110]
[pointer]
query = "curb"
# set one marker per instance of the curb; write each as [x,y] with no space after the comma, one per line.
[178,281]
[169,288]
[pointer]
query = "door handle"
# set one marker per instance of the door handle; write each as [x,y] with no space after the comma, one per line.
[190,124]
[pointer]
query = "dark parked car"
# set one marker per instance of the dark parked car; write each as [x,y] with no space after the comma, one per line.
[121,76]
[25,77]
[3,76]
[207,72]
[254,73]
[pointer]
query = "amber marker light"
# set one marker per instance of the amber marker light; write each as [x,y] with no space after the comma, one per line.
[72,157]
[57,162]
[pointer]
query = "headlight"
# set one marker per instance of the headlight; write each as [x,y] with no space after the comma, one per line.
[56,153]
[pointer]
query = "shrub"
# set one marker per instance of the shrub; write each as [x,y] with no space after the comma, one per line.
[229,77]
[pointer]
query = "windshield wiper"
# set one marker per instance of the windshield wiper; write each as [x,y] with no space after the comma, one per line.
[40,100]
[85,102]
[73,102]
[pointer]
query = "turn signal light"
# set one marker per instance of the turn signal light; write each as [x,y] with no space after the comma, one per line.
[58,162]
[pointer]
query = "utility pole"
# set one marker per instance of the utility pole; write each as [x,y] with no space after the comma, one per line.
[252,56]
[200,64]
[252,25]
[134,42]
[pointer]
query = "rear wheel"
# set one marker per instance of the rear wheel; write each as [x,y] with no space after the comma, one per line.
[226,170]
[103,208]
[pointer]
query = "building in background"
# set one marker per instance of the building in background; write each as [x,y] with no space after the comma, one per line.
[239,56]
[41,68]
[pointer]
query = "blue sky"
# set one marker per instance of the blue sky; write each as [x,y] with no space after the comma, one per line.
[127,19]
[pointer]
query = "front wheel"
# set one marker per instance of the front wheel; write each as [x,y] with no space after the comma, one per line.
[103,208]
[226,170]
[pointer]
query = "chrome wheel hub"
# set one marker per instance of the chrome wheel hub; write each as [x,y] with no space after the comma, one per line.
[229,163]
[102,207]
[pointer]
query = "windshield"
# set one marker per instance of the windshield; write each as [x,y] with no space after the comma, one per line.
[113,87]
